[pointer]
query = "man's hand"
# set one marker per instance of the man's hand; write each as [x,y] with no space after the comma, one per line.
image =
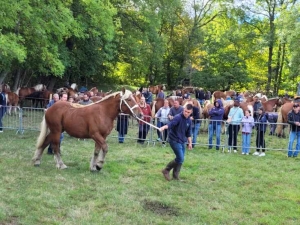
[190,147]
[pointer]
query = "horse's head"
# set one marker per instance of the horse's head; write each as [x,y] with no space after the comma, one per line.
[128,104]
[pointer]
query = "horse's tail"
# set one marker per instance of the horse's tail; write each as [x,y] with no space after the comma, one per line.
[213,98]
[279,126]
[153,109]
[43,133]
[17,91]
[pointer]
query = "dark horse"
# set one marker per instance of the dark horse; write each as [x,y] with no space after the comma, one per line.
[91,121]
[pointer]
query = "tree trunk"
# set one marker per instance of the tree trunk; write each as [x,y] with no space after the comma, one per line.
[3,76]
[16,84]
[281,67]
[51,83]
[276,75]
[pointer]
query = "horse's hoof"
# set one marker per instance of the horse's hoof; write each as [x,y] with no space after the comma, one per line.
[98,168]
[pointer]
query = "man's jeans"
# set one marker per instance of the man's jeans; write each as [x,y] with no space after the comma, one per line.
[293,136]
[214,128]
[195,130]
[179,150]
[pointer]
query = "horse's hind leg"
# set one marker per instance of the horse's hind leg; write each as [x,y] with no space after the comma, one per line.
[101,149]
[39,151]
[57,157]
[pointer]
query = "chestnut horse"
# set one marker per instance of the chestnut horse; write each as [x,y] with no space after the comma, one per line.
[11,98]
[282,118]
[221,94]
[271,104]
[90,121]
[155,89]
[25,91]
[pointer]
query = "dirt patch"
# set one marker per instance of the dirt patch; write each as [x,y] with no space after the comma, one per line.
[11,221]
[160,208]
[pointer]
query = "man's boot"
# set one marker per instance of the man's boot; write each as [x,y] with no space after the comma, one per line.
[176,171]
[167,170]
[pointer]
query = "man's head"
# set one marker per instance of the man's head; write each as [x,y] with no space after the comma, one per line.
[236,103]
[86,97]
[55,97]
[176,104]
[188,109]
[142,100]
[296,107]
[261,110]
[166,103]
[64,97]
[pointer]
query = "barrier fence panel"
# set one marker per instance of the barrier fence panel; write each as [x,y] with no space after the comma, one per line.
[32,118]
[11,119]
[211,134]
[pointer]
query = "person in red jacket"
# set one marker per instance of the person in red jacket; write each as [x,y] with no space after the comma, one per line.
[143,127]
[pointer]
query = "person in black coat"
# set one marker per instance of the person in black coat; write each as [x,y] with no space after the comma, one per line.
[2,107]
[122,126]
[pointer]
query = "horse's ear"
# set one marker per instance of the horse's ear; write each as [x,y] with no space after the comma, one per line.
[123,90]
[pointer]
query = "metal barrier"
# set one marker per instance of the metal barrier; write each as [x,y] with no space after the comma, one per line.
[30,118]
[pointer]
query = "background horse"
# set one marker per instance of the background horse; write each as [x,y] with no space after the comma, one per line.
[25,91]
[156,89]
[221,94]
[271,104]
[282,118]
[91,121]
[11,98]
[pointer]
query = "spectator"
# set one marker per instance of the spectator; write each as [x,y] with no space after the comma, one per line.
[200,96]
[179,133]
[86,100]
[178,93]
[208,95]
[64,97]
[71,99]
[3,106]
[256,106]
[240,97]
[196,123]
[143,127]
[234,119]
[294,121]
[175,109]
[216,116]
[261,127]
[148,96]
[161,94]
[247,125]
[122,126]
[162,119]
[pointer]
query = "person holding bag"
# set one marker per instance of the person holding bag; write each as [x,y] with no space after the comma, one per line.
[234,119]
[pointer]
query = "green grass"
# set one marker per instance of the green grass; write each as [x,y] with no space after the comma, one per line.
[218,188]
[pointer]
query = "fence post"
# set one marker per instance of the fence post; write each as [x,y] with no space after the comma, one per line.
[20,129]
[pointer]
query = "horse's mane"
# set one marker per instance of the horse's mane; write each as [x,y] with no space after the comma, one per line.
[125,96]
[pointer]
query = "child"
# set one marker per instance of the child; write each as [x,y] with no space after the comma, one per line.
[261,127]
[247,125]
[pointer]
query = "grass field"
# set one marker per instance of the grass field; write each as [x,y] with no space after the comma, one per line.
[218,188]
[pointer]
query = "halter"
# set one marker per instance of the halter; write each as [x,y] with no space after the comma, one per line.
[130,108]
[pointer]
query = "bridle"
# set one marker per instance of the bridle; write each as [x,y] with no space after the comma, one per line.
[123,100]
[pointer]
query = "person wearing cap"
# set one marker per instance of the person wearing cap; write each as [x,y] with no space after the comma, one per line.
[294,121]
[235,117]
[261,127]
[257,104]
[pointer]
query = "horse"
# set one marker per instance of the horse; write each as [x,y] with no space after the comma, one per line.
[271,104]
[221,94]
[22,92]
[286,100]
[90,121]
[282,118]
[155,89]
[11,98]
[94,90]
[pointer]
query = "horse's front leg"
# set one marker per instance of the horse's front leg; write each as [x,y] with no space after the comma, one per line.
[100,151]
